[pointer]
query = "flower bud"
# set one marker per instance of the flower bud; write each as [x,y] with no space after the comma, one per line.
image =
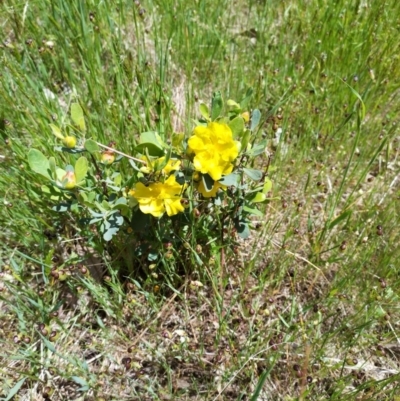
[169,255]
[69,142]
[69,180]
[107,158]
[196,176]
[246,116]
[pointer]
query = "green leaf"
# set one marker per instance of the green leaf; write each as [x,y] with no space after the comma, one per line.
[259,386]
[60,174]
[233,106]
[81,169]
[62,207]
[267,186]
[91,146]
[255,212]
[242,229]
[230,180]
[237,126]
[105,204]
[77,116]
[204,111]
[340,218]
[140,222]
[152,256]
[254,174]
[246,100]
[149,141]
[122,207]
[259,148]
[14,390]
[75,207]
[255,119]
[56,131]
[39,163]
[52,192]
[245,140]
[81,382]
[111,226]
[121,201]
[216,105]
[260,197]
[53,167]
[48,344]
[117,178]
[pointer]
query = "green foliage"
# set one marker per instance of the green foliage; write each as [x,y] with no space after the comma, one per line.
[110,201]
[77,116]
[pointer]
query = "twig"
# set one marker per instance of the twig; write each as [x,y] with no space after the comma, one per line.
[121,153]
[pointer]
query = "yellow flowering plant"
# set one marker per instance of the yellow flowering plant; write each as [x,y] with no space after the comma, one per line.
[170,198]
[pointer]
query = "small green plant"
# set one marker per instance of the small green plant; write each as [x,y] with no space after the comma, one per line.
[188,199]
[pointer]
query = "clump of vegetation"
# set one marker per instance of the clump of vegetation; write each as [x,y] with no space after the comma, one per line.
[181,203]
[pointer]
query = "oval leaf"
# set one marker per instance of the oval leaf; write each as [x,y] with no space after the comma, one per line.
[237,126]
[150,148]
[260,197]
[56,131]
[230,180]
[254,174]
[252,211]
[216,105]
[245,139]
[246,100]
[233,106]
[77,116]
[39,163]
[267,186]
[91,146]
[259,148]
[81,169]
[204,111]
[242,229]
[149,141]
[255,119]
[52,165]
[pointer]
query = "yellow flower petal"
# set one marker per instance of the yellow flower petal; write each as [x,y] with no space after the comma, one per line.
[213,193]
[158,198]
[214,149]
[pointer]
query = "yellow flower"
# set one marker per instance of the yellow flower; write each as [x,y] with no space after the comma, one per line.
[214,149]
[213,192]
[159,197]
